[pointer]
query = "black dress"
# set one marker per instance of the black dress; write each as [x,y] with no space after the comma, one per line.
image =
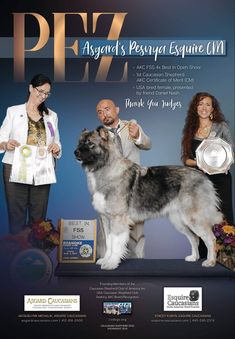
[223,185]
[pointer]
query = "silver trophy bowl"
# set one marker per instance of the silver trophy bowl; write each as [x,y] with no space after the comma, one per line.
[214,155]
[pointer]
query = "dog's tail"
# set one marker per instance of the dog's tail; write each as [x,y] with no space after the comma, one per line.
[205,202]
[213,204]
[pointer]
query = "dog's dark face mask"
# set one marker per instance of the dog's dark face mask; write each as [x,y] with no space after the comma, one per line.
[92,149]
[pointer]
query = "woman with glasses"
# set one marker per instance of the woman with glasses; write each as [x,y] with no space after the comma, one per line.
[35,125]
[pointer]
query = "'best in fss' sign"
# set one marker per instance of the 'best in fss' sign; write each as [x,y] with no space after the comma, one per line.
[77,241]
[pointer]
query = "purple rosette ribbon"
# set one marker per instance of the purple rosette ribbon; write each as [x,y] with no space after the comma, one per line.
[49,124]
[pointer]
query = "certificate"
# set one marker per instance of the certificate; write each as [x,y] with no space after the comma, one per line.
[77,241]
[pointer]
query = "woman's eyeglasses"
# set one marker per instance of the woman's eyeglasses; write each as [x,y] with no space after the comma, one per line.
[41,92]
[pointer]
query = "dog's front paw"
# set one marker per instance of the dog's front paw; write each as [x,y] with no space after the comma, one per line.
[208,263]
[191,258]
[100,261]
[110,264]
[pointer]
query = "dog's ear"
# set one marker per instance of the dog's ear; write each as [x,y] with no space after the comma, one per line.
[103,133]
[85,132]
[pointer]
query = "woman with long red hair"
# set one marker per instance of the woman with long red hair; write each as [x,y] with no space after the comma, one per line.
[205,118]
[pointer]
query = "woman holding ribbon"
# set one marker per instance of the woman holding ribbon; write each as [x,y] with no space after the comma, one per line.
[30,138]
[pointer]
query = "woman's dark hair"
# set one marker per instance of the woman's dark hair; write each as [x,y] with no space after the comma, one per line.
[192,121]
[39,80]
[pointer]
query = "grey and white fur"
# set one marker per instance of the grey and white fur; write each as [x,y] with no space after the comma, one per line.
[124,193]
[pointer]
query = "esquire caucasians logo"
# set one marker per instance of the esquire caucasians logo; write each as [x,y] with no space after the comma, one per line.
[182,299]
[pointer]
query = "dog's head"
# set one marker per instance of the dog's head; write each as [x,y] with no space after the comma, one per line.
[93,148]
[194,295]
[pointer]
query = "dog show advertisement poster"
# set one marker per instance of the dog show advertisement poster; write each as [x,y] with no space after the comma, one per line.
[147,59]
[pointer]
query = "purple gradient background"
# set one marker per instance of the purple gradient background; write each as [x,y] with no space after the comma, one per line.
[75,102]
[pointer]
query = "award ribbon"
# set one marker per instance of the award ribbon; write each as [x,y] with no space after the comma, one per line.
[44,167]
[25,152]
[32,165]
[49,124]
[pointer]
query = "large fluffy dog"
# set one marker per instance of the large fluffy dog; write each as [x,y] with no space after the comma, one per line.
[125,193]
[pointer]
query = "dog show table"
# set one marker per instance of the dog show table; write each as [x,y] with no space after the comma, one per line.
[146,268]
